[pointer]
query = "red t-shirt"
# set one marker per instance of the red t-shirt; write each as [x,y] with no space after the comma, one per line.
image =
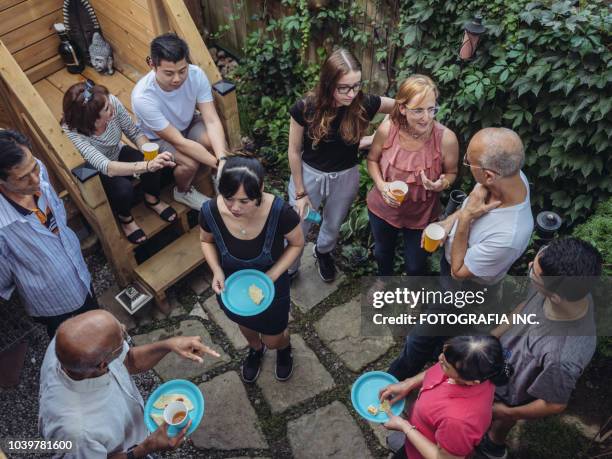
[454,416]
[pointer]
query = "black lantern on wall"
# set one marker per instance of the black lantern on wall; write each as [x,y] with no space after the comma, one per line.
[473,29]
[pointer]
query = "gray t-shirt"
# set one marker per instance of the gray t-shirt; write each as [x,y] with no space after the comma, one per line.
[547,358]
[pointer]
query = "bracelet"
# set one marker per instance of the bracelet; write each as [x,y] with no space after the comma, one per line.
[447,185]
[147,166]
[301,195]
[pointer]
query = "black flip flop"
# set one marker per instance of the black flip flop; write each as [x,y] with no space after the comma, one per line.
[134,236]
[166,214]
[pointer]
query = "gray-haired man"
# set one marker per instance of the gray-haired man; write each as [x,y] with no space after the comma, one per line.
[486,236]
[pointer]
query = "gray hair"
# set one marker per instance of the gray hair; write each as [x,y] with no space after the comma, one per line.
[504,152]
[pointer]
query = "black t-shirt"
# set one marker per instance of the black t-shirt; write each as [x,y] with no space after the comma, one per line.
[332,154]
[251,248]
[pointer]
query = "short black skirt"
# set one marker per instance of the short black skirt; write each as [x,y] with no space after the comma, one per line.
[272,321]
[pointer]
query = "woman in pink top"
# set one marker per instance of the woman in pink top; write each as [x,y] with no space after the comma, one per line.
[409,146]
[454,407]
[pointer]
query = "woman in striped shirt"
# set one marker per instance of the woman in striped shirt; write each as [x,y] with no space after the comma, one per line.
[94,120]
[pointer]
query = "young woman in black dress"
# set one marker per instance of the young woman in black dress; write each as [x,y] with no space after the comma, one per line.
[247,228]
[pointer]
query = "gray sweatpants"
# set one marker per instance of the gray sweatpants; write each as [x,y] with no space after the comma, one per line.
[336,191]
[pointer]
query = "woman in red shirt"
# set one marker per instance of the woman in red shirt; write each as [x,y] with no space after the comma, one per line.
[454,406]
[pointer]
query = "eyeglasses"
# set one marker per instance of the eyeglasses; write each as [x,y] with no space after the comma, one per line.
[88,92]
[345,89]
[418,112]
[467,163]
[117,352]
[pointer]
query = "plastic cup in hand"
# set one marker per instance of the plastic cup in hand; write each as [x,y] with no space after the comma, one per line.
[398,190]
[434,234]
[312,216]
[150,151]
[176,414]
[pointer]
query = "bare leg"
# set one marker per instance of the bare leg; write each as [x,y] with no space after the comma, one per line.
[184,172]
[280,341]
[252,337]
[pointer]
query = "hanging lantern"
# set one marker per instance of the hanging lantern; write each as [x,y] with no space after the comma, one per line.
[472,31]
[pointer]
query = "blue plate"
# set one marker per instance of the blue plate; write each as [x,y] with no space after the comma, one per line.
[365,393]
[236,298]
[176,386]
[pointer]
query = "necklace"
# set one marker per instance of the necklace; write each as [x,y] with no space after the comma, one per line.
[243,231]
[418,136]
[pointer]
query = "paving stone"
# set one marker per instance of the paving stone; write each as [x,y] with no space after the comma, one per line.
[197,311]
[380,433]
[172,366]
[198,280]
[107,301]
[340,330]
[329,432]
[230,421]
[231,329]
[587,430]
[308,290]
[177,308]
[309,378]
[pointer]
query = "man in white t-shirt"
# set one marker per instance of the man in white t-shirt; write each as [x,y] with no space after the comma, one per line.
[486,236]
[165,101]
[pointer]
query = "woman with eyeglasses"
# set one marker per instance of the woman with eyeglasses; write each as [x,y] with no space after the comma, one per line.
[327,128]
[454,407]
[412,147]
[94,120]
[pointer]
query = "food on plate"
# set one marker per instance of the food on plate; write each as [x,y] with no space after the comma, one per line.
[256,294]
[157,418]
[166,399]
[384,406]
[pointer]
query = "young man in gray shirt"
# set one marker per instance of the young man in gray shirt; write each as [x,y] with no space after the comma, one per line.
[548,358]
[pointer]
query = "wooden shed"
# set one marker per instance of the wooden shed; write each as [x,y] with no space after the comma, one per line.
[32,83]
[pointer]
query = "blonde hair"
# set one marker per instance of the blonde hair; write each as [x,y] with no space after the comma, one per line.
[417,86]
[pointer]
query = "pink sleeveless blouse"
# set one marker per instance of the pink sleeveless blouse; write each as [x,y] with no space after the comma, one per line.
[420,207]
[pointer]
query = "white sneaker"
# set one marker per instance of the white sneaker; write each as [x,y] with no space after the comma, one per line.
[191,198]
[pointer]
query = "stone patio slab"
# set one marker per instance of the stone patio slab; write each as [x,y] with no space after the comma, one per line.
[340,330]
[308,290]
[231,329]
[309,378]
[329,432]
[198,311]
[230,421]
[172,366]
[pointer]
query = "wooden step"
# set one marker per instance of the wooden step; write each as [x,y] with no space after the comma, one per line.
[149,221]
[171,264]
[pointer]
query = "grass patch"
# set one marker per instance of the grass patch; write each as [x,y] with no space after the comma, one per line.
[550,437]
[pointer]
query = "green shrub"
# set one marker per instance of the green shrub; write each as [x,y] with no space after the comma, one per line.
[598,231]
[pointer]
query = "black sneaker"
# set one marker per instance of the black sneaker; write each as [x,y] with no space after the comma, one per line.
[325,262]
[252,364]
[284,363]
[489,450]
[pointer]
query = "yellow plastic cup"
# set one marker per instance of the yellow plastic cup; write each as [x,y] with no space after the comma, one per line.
[434,234]
[398,190]
[150,151]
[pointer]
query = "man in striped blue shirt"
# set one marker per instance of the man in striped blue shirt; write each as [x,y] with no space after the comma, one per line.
[40,256]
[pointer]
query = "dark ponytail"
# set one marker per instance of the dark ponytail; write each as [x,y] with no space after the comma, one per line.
[478,358]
